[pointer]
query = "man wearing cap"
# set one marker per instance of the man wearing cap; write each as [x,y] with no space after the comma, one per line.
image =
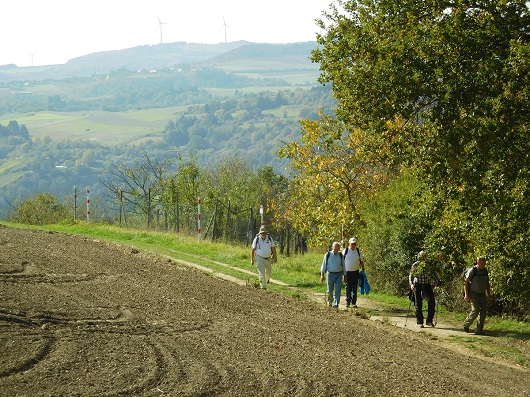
[264,254]
[353,260]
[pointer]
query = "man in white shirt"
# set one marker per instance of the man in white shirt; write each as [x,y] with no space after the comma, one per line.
[264,254]
[353,261]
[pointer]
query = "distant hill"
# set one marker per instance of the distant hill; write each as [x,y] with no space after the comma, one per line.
[227,56]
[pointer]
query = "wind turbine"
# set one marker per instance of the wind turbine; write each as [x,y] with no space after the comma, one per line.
[160,23]
[224,26]
[31,55]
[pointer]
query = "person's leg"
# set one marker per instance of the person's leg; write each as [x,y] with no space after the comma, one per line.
[355,288]
[419,305]
[473,314]
[337,287]
[268,269]
[260,263]
[329,289]
[431,305]
[483,306]
[349,287]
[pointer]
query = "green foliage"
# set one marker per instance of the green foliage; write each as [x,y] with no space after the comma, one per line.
[13,129]
[394,232]
[442,88]
[44,209]
[331,175]
[230,192]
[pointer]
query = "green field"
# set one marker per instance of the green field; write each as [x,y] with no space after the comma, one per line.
[10,178]
[114,128]
[106,128]
[8,171]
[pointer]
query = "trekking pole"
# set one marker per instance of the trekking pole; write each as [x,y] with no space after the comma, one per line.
[436,320]
[408,311]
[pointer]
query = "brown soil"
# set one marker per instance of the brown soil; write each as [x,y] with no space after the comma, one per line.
[81,317]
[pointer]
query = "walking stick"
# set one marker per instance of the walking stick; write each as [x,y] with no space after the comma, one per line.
[436,320]
[408,311]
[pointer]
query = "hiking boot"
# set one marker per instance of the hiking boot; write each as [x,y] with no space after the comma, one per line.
[429,325]
[355,306]
[420,325]
[347,305]
[479,332]
[466,329]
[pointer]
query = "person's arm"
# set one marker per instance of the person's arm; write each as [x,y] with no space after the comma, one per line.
[253,252]
[343,263]
[466,290]
[323,269]
[361,260]
[274,256]
[488,292]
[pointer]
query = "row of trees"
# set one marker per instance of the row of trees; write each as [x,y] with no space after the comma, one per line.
[14,129]
[230,191]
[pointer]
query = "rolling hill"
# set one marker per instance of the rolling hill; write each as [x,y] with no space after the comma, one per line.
[240,56]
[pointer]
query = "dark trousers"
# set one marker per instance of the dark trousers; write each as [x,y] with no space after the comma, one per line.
[418,302]
[352,281]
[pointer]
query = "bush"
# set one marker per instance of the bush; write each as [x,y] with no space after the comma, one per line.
[44,209]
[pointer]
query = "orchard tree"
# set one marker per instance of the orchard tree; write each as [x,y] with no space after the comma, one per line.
[444,87]
[139,184]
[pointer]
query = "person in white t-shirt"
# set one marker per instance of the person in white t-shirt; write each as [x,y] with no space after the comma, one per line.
[353,261]
[264,254]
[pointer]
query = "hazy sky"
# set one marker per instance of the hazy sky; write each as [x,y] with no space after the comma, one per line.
[55,31]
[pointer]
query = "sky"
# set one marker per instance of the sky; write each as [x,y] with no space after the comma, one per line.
[48,32]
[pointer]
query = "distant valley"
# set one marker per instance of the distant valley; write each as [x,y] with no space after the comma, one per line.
[209,102]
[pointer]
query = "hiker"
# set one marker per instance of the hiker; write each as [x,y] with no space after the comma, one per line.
[333,265]
[353,260]
[421,287]
[264,254]
[478,291]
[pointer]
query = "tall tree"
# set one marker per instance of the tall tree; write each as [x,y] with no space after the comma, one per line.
[331,175]
[444,86]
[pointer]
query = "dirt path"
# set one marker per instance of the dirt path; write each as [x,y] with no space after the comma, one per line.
[442,332]
[90,318]
[403,320]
